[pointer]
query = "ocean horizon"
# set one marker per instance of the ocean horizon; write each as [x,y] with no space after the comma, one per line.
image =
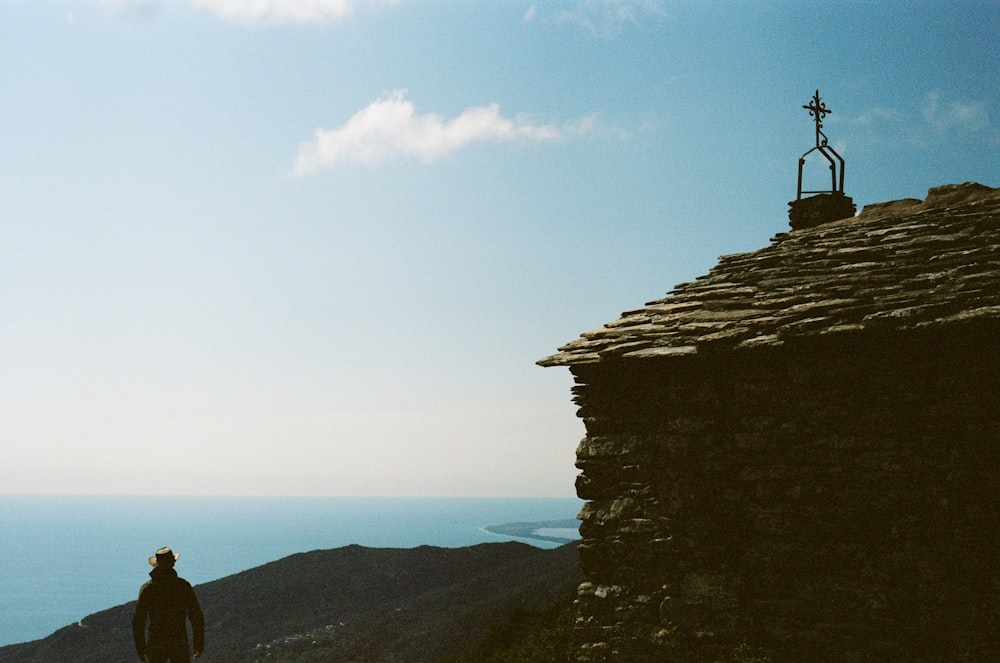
[68,556]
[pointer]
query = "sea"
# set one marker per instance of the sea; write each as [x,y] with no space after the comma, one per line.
[65,557]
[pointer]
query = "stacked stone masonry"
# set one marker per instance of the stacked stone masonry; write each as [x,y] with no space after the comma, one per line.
[797,457]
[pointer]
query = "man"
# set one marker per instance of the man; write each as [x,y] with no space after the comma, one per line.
[167,602]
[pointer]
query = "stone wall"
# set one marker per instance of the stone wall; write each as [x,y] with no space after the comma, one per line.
[823,501]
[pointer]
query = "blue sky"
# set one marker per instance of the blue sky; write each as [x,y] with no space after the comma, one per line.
[314,247]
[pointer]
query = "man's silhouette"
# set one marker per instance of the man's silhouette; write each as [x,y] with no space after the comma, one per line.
[167,602]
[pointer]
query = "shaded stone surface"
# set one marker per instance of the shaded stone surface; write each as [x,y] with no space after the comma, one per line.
[816,210]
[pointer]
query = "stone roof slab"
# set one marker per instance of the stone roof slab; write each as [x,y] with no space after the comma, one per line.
[899,265]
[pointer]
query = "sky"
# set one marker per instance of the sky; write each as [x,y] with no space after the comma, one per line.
[315,247]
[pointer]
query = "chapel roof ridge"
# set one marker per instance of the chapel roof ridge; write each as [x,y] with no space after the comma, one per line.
[899,265]
[942,196]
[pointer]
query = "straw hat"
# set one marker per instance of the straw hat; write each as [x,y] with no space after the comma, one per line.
[164,556]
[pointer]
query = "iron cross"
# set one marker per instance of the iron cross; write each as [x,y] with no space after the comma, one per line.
[817,109]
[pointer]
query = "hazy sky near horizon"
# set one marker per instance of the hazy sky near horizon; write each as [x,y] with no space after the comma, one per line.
[314,247]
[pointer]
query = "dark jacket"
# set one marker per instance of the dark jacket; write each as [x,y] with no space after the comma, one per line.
[167,601]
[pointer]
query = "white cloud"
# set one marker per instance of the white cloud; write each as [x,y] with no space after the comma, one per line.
[943,117]
[529,15]
[134,8]
[935,120]
[253,12]
[606,18]
[279,11]
[876,116]
[389,127]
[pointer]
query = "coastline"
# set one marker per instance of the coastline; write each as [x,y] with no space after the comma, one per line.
[539,530]
[41,589]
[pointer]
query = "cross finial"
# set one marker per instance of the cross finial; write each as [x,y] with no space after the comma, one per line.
[817,109]
[829,204]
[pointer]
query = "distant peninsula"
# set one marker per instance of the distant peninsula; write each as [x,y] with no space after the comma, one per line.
[553,531]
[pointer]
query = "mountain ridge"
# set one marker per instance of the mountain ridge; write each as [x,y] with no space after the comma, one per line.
[364,604]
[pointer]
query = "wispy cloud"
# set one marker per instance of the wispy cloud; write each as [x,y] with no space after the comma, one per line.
[269,12]
[946,116]
[606,18]
[936,119]
[875,116]
[133,8]
[391,128]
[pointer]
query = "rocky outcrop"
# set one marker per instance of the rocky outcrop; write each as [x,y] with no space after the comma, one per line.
[797,456]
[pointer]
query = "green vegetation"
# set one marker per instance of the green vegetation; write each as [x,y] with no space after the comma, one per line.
[543,635]
[747,654]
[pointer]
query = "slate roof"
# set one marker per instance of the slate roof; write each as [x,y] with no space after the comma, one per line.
[906,264]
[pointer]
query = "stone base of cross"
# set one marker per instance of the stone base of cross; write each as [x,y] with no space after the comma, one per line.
[819,209]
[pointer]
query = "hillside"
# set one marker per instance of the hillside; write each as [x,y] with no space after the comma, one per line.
[346,604]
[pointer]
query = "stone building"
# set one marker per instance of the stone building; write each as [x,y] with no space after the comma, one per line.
[797,456]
